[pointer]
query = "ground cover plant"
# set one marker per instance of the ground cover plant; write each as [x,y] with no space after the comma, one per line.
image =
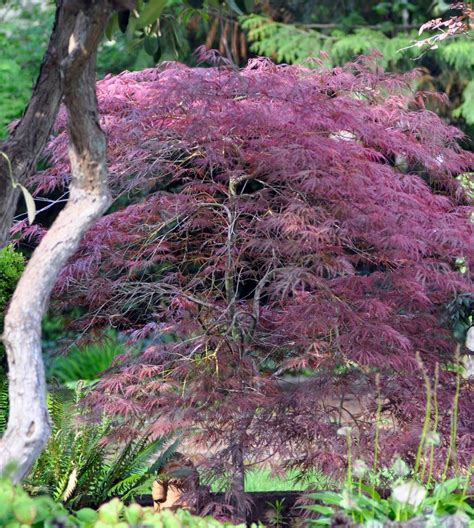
[447,505]
[269,222]
[21,511]
[408,494]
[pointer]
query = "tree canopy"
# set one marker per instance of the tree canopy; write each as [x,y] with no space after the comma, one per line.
[273,221]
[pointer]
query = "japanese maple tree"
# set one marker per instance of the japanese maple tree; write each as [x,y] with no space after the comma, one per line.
[271,221]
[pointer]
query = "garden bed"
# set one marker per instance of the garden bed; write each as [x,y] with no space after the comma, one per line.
[267,507]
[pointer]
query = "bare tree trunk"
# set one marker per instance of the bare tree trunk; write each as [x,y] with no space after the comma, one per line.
[237,484]
[238,464]
[28,424]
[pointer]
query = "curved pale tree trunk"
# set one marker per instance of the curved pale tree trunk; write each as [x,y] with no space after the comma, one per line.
[28,423]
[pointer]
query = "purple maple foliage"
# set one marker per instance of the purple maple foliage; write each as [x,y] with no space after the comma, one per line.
[280,236]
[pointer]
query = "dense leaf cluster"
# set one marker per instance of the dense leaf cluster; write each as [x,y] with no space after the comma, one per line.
[268,222]
[11,268]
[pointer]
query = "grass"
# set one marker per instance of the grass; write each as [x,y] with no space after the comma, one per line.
[260,479]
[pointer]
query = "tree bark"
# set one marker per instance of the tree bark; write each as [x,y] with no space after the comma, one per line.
[28,423]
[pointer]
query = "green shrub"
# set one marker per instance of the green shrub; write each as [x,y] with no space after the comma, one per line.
[12,264]
[114,513]
[19,510]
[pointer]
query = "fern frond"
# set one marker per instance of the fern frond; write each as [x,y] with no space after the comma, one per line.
[142,482]
[125,485]
[60,486]
[71,485]
[143,488]
[466,109]
[150,448]
[164,457]
[459,54]
[285,42]
[56,409]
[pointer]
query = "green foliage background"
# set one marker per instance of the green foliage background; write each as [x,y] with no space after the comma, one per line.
[24,33]
[23,37]
[449,69]
[288,31]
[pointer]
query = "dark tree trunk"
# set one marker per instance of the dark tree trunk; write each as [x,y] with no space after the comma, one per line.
[26,143]
[8,200]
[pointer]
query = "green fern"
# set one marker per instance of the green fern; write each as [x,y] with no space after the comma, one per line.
[466,109]
[69,447]
[56,409]
[80,468]
[346,47]
[459,54]
[140,473]
[143,483]
[283,42]
[294,44]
